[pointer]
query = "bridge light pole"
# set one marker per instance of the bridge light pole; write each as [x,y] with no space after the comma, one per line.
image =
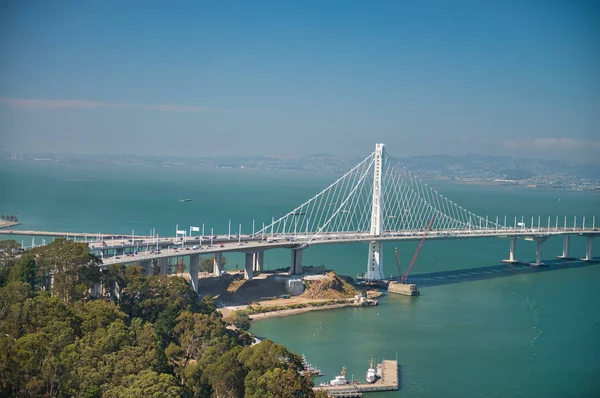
[229,233]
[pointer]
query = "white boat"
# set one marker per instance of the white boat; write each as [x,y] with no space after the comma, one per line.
[371,374]
[340,380]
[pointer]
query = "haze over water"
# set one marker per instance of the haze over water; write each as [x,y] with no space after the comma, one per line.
[532,334]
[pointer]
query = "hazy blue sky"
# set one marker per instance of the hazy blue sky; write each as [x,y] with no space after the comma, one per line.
[270,77]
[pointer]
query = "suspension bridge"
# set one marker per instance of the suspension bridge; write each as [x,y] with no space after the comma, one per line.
[377,201]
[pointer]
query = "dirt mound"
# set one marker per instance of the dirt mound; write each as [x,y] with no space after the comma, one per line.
[330,288]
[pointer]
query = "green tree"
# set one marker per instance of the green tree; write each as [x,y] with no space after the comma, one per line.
[207,264]
[278,382]
[24,270]
[146,383]
[241,320]
[73,269]
[226,375]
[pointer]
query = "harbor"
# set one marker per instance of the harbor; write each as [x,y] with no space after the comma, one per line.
[385,379]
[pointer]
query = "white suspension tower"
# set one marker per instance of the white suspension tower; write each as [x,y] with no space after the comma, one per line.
[375,264]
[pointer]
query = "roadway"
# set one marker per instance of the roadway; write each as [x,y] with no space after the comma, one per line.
[146,248]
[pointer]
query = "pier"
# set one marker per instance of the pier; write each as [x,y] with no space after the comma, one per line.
[388,381]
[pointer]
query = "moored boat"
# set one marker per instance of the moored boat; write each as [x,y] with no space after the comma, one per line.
[371,374]
[339,380]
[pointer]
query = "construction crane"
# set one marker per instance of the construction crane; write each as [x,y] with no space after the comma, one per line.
[405,277]
[398,263]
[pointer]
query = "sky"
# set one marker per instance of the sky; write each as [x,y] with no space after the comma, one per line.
[212,78]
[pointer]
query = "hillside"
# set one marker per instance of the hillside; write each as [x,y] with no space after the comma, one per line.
[332,287]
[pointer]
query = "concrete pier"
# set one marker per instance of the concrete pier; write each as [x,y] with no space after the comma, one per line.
[259,260]
[163,266]
[566,249]
[588,249]
[513,247]
[249,266]
[194,263]
[388,381]
[296,261]
[147,267]
[538,250]
[401,288]
[218,264]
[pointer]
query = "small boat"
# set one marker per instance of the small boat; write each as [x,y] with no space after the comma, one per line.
[185,200]
[309,370]
[338,381]
[371,374]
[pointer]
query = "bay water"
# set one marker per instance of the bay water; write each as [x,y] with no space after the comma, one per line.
[500,333]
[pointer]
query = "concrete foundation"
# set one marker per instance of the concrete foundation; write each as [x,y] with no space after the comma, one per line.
[294,287]
[401,288]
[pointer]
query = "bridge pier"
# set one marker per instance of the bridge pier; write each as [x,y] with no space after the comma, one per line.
[194,263]
[588,249]
[218,264]
[249,266]
[296,261]
[566,248]
[258,262]
[538,250]
[95,290]
[163,266]
[513,248]
[147,267]
[375,265]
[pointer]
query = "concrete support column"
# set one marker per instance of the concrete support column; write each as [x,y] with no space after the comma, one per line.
[538,251]
[217,264]
[259,260]
[163,266]
[147,267]
[95,290]
[194,263]
[566,253]
[296,261]
[375,263]
[117,290]
[588,249]
[513,248]
[248,266]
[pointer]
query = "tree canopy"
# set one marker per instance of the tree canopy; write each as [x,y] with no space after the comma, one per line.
[144,336]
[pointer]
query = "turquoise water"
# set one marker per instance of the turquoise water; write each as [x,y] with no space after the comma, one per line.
[531,334]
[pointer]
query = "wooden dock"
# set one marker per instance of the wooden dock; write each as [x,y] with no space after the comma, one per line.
[387,382]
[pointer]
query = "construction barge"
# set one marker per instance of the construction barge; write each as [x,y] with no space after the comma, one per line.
[387,380]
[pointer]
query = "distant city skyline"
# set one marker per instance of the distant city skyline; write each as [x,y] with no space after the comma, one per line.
[516,78]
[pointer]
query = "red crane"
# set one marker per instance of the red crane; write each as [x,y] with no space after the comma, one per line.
[405,277]
[398,263]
